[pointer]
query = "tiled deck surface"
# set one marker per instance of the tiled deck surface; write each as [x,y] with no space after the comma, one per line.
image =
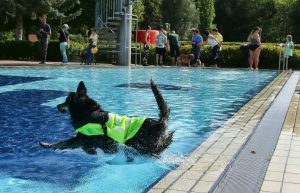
[283,174]
[207,163]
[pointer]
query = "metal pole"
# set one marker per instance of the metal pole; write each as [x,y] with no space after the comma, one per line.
[129,30]
[136,39]
[125,38]
[279,62]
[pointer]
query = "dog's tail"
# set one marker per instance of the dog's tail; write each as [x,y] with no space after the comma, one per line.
[164,111]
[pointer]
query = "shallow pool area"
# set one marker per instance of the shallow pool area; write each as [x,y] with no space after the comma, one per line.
[201,100]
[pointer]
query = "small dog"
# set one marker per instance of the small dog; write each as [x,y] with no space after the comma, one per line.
[151,138]
[185,60]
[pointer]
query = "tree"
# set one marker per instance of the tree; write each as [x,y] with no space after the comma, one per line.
[236,18]
[152,14]
[182,15]
[206,12]
[55,9]
[294,19]
[138,9]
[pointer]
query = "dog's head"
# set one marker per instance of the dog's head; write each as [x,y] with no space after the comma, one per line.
[78,104]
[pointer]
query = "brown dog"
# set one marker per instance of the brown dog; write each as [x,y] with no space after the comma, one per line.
[185,60]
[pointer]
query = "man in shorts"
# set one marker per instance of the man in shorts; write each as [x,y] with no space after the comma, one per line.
[173,40]
[161,42]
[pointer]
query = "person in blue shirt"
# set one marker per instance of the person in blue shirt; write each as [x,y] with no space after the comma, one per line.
[197,41]
[44,34]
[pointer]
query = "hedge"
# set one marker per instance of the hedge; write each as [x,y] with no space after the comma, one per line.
[232,54]
[25,50]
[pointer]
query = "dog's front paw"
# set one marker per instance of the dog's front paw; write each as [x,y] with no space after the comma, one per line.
[45,145]
[90,151]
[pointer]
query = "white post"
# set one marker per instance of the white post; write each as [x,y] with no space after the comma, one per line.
[124,36]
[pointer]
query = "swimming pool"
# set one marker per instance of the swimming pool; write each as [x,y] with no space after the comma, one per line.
[201,100]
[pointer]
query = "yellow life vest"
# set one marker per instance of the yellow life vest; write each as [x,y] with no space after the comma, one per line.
[119,128]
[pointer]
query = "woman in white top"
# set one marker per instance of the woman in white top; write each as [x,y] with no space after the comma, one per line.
[215,48]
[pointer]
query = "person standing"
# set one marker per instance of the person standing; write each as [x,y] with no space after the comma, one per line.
[217,35]
[161,42]
[197,41]
[288,51]
[93,41]
[254,47]
[64,42]
[215,48]
[44,34]
[174,43]
[147,46]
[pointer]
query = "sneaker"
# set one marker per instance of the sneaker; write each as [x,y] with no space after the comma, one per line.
[64,63]
[42,63]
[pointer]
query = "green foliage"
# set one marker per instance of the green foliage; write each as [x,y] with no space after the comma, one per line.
[206,11]
[233,56]
[138,9]
[235,19]
[294,19]
[25,50]
[86,19]
[182,15]
[77,44]
[6,36]
[152,14]
[20,11]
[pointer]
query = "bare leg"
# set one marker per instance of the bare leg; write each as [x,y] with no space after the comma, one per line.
[173,61]
[256,57]
[251,59]
[160,59]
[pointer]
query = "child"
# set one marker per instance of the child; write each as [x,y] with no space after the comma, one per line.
[288,51]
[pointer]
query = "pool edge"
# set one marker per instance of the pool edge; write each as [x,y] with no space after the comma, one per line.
[203,167]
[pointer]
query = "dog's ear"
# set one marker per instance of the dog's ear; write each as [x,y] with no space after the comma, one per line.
[81,89]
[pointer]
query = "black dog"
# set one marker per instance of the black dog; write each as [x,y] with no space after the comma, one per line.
[82,56]
[151,139]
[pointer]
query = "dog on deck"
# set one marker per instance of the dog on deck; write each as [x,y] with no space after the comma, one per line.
[97,128]
[82,56]
[185,60]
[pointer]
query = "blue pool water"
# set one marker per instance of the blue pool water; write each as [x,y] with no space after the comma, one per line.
[201,100]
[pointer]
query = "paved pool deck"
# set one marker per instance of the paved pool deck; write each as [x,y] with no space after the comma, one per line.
[211,167]
[13,63]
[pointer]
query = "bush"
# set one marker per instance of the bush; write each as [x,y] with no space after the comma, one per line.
[233,56]
[26,50]
[7,36]
[21,50]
